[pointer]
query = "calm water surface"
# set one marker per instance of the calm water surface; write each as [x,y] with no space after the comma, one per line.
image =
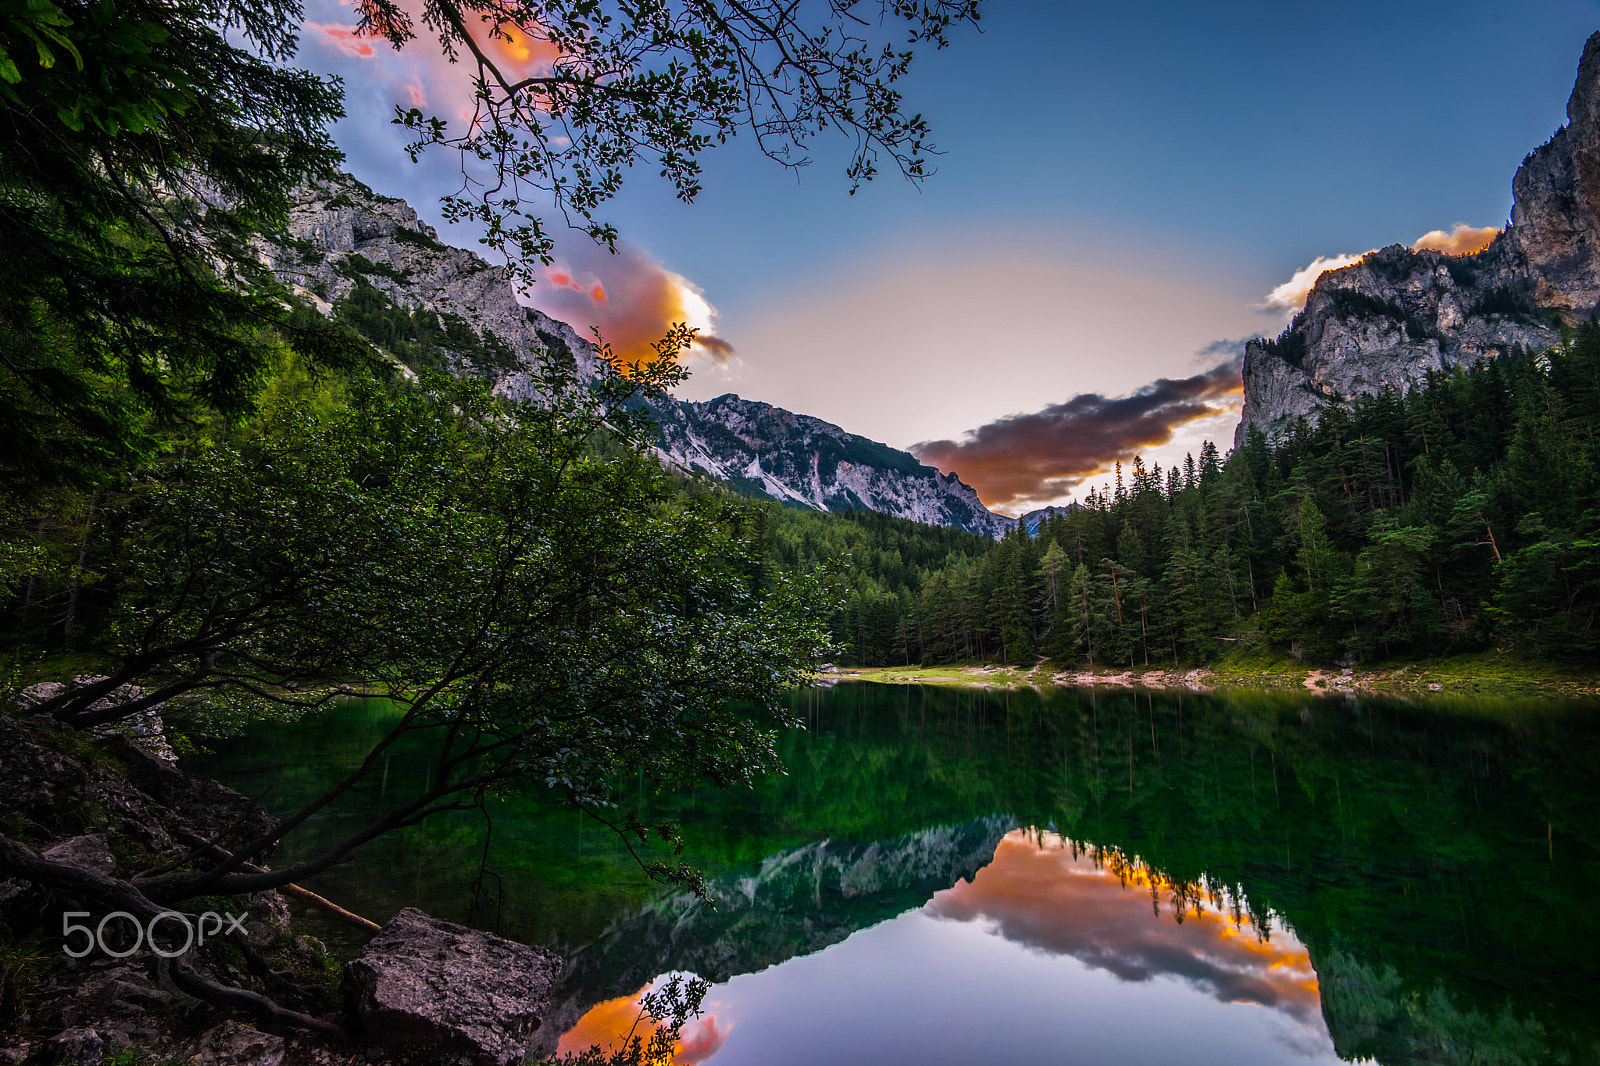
[1091,877]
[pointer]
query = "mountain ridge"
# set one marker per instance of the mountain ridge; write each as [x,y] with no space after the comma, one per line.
[351,251]
[1398,315]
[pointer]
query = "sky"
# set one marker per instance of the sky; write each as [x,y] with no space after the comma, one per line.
[1127,192]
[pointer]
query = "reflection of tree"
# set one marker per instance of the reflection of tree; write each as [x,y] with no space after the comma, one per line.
[1377,1017]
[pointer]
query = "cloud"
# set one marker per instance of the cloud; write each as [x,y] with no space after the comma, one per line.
[1040,894]
[1222,350]
[1461,239]
[631,298]
[1044,456]
[1291,295]
[343,37]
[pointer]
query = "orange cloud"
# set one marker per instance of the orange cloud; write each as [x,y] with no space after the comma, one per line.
[612,1023]
[1461,239]
[1041,892]
[1045,455]
[629,297]
[344,38]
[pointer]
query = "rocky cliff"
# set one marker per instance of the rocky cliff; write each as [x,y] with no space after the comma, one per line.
[1398,314]
[353,252]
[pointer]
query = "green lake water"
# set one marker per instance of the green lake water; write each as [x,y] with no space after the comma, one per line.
[951,876]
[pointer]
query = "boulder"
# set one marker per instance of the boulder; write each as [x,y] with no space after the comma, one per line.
[234,1044]
[90,853]
[75,1047]
[424,987]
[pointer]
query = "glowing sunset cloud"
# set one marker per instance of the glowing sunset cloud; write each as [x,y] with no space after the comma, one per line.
[1041,893]
[1460,239]
[343,37]
[1039,457]
[613,1022]
[630,297]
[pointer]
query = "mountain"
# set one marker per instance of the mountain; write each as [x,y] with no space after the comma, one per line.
[1398,315]
[765,451]
[368,259]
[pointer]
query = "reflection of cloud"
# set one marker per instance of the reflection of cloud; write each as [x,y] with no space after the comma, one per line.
[632,299]
[1039,893]
[1461,239]
[611,1023]
[1291,295]
[1043,456]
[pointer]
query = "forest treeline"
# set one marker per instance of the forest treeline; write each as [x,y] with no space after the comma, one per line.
[1460,516]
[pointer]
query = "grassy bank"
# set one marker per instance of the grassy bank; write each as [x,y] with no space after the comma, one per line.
[1492,674]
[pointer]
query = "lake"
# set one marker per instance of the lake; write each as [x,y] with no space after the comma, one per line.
[1091,876]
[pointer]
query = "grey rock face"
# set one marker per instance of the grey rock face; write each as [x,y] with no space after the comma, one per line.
[1391,319]
[425,987]
[145,728]
[233,1044]
[343,231]
[767,451]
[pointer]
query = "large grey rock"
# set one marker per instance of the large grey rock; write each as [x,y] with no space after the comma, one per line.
[426,987]
[233,1044]
[1389,320]
[75,1047]
[89,852]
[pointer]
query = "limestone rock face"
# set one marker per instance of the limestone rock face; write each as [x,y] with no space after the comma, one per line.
[343,234]
[1397,315]
[767,451]
[1554,236]
[425,988]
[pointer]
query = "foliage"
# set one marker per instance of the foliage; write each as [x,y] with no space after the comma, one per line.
[139,152]
[542,608]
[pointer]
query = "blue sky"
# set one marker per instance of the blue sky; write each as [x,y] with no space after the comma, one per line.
[1121,185]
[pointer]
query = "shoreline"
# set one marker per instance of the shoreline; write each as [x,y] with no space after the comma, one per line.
[1471,677]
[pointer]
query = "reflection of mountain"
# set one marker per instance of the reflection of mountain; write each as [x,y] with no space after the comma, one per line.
[800,901]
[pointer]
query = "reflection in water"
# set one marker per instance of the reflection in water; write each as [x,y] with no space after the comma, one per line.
[1044,893]
[1438,862]
[1040,897]
[616,1021]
